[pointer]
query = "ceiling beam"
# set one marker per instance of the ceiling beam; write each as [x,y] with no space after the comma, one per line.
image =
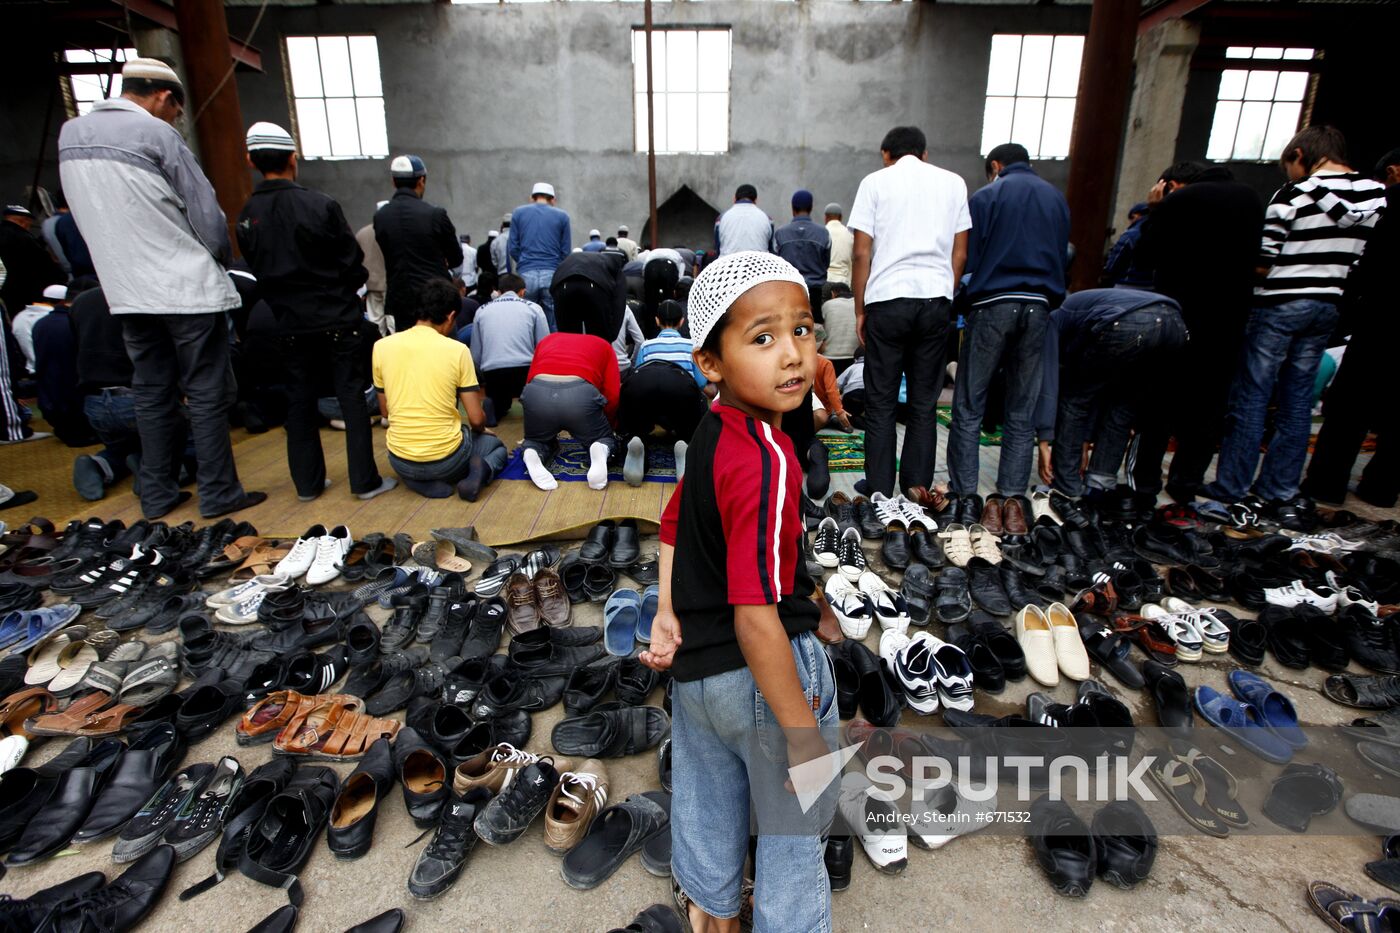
[1169,9]
[160,13]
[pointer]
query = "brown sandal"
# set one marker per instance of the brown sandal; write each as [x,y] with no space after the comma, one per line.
[22,706]
[259,562]
[72,719]
[234,555]
[335,730]
[271,715]
[109,721]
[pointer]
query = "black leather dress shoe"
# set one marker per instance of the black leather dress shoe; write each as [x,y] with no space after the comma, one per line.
[877,700]
[1125,843]
[598,543]
[969,509]
[587,686]
[143,767]
[423,772]
[23,791]
[894,548]
[351,828]
[27,913]
[1064,847]
[1287,637]
[1015,586]
[124,903]
[626,548]
[986,669]
[847,680]
[1002,643]
[924,548]
[840,853]
[985,587]
[871,528]
[55,822]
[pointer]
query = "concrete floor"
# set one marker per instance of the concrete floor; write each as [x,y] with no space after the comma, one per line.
[1241,883]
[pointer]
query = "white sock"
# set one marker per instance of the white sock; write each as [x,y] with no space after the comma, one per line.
[680,449]
[597,465]
[538,474]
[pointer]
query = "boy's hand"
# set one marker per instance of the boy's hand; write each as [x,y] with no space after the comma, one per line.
[665,639]
[1044,461]
[803,745]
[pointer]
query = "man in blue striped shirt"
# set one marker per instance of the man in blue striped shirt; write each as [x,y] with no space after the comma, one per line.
[665,387]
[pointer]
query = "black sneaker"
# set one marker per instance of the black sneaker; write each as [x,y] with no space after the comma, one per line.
[201,819]
[206,542]
[447,643]
[850,558]
[119,578]
[142,833]
[440,864]
[512,811]
[124,903]
[484,637]
[400,629]
[435,611]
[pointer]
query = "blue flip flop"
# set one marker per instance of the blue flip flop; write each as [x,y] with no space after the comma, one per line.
[621,615]
[1276,709]
[1243,723]
[14,627]
[651,597]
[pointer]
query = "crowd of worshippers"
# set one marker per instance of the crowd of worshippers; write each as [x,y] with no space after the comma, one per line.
[1220,322]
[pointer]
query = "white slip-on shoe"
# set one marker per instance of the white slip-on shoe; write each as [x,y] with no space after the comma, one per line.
[234,594]
[827,546]
[1038,645]
[913,669]
[853,610]
[12,749]
[890,607]
[330,554]
[851,561]
[1070,653]
[875,823]
[303,553]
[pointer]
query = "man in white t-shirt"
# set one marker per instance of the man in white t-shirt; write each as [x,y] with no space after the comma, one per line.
[910,221]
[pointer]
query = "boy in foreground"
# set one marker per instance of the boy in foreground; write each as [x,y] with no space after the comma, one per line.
[751,678]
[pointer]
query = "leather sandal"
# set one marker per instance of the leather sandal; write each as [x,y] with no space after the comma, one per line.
[270,715]
[109,721]
[232,556]
[20,707]
[261,561]
[1150,636]
[335,730]
[70,720]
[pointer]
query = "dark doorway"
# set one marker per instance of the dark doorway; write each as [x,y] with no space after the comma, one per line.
[686,219]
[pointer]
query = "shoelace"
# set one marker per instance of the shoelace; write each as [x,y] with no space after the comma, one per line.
[508,754]
[451,836]
[588,781]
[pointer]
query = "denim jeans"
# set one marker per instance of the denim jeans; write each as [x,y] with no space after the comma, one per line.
[537,282]
[729,765]
[1105,379]
[456,464]
[1283,346]
[904,338]
[112,414]
[1011,334]
[574,405]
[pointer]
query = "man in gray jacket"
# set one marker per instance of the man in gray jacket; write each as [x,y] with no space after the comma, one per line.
[159,243]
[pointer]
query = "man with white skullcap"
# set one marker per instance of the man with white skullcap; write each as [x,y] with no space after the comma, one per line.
[160,245]
[309,271]
[540,238]
[417,238]
[735,622]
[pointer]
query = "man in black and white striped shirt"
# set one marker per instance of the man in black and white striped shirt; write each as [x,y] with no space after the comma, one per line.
[1314,229]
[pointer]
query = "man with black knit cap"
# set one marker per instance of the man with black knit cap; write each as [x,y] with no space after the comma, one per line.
[418,240]
[310,268]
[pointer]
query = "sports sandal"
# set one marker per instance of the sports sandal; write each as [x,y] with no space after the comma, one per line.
[615,833]
[611,732]
[18,708]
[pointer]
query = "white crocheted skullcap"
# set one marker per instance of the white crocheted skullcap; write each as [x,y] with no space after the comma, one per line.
[263,135]
[152,69]
[721,283]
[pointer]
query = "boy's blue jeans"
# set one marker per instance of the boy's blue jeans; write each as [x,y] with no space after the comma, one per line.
[729,765]
[1283,346]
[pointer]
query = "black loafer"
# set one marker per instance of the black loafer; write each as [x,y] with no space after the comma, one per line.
[987,672]
[143,767]
[894,547]
[986,589]
[626,547]
[1063,846]
[597,545]
[924,548]
[1125,842]
[847,679]
[635,682]
[351,828]
[1248,639]
[1002,643]
[362,639]
[423,772]
[877,700]
[1287,637]
[56,820]
[1015,587]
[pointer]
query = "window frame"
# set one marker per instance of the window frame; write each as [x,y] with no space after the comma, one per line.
[73,102]
[299,131]
[1059,42]
[662,95]
[1269,67]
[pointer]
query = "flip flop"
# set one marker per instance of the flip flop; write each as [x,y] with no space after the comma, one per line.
[1300,793]
[1343,911]
[1275,708]
[1222,790]
[1111,649]
[1243,723]
[1185,788]
[621,616]
[153,677]
[650,598]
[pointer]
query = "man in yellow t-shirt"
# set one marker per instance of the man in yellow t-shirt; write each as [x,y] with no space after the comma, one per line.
[421,374]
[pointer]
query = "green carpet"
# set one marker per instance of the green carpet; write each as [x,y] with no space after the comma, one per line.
[945,418]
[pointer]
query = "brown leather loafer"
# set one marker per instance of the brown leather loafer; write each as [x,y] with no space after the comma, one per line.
[1013,516]
[992,514]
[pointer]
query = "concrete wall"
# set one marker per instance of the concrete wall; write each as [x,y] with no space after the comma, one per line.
[495,98]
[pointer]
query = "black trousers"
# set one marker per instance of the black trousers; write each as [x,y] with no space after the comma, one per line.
[800,429]
[903,337]
[503,386]
[1359,400]
[313,360]
[1193,411]
[663,395]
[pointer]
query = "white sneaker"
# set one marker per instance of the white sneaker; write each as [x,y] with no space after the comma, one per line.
[330,554]
[1040,508]
[1327,542]
[1215,634]
[913,512]
[912,665]
[853,610]
[1350,595]
[266,581]
[1296,594]
[951,669]
[303,553]
[243,612]
[890,607]
[877,824]
[12,749]
[944,815]
[887,510]
[1181,628]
